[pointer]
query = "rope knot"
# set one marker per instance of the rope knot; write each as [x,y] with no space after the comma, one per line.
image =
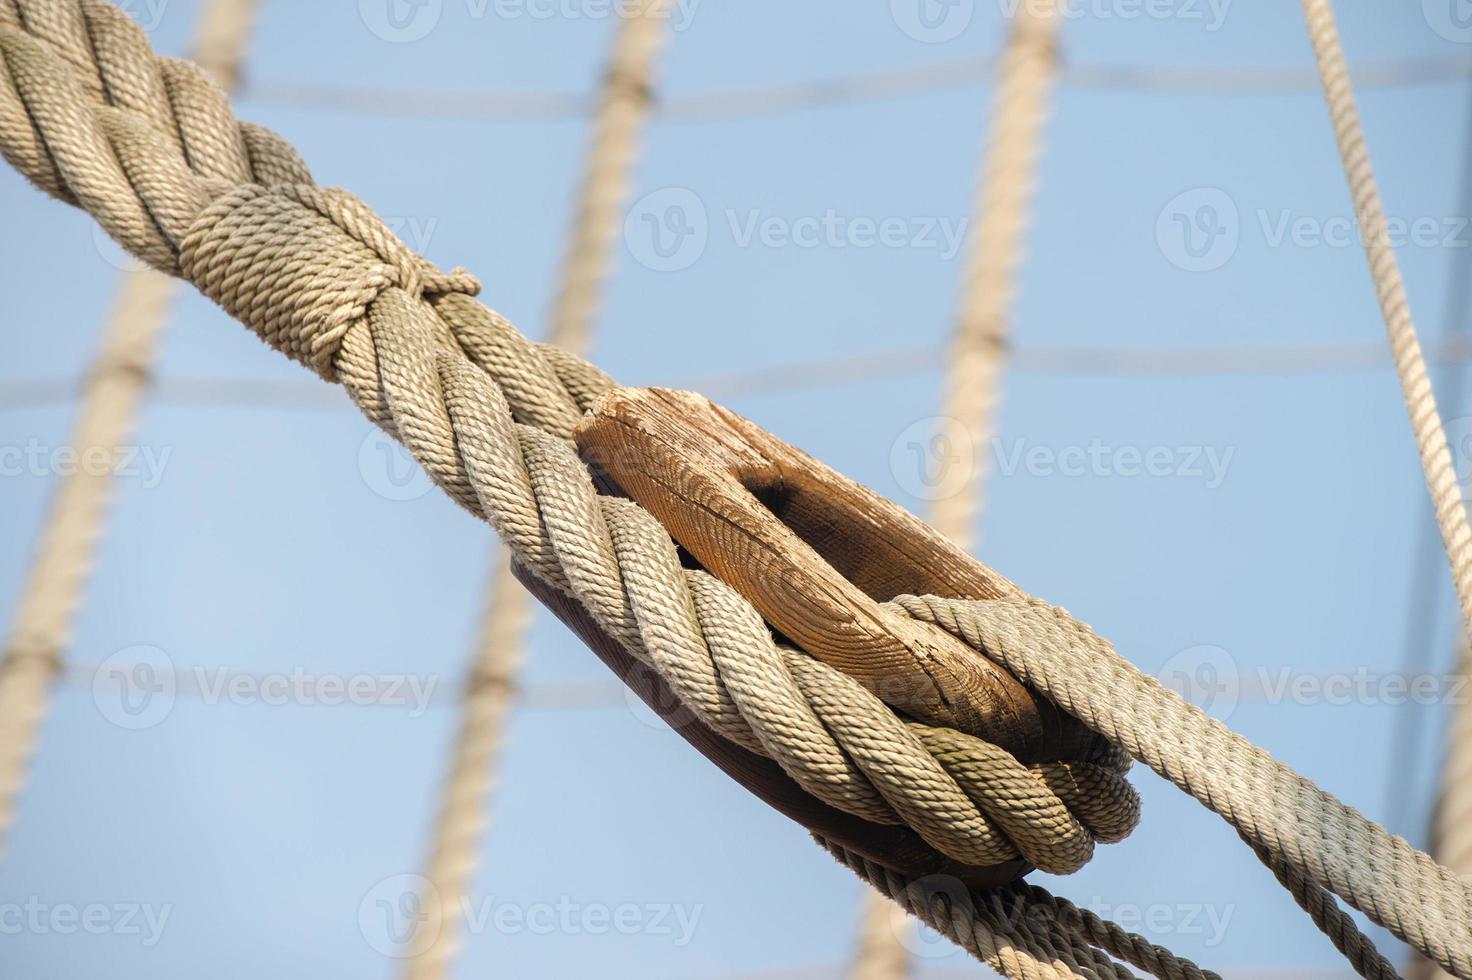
[300,265]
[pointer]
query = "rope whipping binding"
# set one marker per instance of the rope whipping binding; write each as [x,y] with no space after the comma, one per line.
[114,388]
[491,680]
[1026,75]
[487,413]
[1452,833]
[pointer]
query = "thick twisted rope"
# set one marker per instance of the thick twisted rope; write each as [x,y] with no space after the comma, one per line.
[1021,930]
[115,386]
[1453,830]
[1328,843]
[1026,74]
[490,691]
[488,415]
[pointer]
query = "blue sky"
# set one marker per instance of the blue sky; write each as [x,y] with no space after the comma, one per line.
[272,541]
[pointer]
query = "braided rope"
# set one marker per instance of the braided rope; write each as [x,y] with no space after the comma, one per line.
[488,414]
[115,387]
[1026,74]
[488,698]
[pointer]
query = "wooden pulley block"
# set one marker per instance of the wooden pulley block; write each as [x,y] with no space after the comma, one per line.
[817,555]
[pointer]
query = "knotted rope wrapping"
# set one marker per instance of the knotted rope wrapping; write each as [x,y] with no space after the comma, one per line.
[487,414]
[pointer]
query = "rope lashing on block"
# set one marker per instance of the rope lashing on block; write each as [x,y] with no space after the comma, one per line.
[489,416]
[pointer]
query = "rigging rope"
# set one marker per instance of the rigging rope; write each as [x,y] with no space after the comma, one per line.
[1453,829]
[488,414]
[1423,624]
[1026,74]
[627,95]
[115,386]
[1410,363]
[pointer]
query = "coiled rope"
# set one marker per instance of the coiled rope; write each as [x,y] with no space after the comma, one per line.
[1026,75]
[487,414]
[491,684]
[115,385]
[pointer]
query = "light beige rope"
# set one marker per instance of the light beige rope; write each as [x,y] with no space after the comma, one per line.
[1026,75]
[1454,827]
[1021,930]
[114,388]
[1330,845]
[463,816]
[318,276]
[1410,364]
